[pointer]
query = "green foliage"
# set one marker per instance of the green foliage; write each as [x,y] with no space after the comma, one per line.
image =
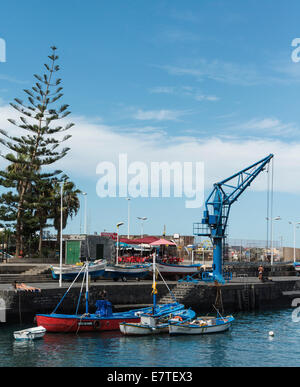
[28,203]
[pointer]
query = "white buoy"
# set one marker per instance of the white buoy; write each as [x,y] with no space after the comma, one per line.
[271,333]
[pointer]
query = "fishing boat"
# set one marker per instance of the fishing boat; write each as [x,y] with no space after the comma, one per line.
[158,320]
[90,322]
[177,270]
[124,272]
[297,266]
[102,320]
[30,333]
[156,323]
[201,325]
[69,272]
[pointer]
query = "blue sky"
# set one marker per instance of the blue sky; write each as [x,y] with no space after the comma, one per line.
[208,81]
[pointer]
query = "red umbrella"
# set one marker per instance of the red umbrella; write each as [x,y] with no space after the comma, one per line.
[162,242]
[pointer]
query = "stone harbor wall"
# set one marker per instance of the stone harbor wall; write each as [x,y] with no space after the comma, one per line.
[23,306]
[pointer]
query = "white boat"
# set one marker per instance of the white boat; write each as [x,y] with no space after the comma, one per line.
[297,266]
[30,333]
[151,324]
[118,271]
[174,270]
[201,325]
[157,321]
[69,272]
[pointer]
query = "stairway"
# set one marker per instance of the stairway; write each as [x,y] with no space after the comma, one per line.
[37,270]
[180,292]
[34,275]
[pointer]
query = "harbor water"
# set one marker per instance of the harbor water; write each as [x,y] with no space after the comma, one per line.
[247,343]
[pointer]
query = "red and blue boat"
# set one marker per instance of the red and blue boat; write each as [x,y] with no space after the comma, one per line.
[102,320]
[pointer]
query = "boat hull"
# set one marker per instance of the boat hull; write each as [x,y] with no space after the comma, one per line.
[94,322]
[77,324]
[138,329]
[152,324]
[297,266]
[69,272]
[30,334]
[193,329]
[180,270]
[116,272]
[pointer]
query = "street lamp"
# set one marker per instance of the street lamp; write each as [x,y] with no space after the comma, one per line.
[294,227]
[142,229]
[118,225]
[85,215]
[61,227]
[272,232]
[128,229]
[142,219]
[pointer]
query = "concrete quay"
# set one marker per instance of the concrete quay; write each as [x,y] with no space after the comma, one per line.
[241,294]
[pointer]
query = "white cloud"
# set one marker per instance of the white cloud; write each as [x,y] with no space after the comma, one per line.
[176,35]
[184,91]
[158,115]
[163,90]
[225,72]
[280,72]
[8,78]
[92,143]
[202,97]
[269,126]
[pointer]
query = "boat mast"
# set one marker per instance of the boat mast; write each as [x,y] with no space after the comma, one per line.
[87,277]
[154,291]
[87,289]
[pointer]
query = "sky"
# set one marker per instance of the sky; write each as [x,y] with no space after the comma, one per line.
[208,82]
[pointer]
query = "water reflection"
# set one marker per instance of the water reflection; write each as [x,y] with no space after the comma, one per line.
[247,344]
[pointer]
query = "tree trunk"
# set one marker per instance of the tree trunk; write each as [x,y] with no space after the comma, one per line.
[41,240]
[18,234]
[19,246]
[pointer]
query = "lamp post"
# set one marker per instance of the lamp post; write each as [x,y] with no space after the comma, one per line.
[118,225]
[272,232]
[142,219]
[128,224]
[294,224]
[85,214]
[142,229]
[61,227]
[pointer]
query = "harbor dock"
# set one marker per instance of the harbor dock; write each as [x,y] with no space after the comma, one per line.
[240,294]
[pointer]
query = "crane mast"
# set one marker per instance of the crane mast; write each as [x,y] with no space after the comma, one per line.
[217,209]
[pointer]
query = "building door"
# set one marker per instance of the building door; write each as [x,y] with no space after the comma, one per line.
[99,251]
[72,252]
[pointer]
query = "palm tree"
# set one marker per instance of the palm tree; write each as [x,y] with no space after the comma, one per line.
[17,177]
[71,204]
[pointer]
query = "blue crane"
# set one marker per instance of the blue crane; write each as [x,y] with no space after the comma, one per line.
[217,208]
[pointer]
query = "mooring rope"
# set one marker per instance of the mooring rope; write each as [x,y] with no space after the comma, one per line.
[268,204]
[20,314]
[68,289]
[80,292]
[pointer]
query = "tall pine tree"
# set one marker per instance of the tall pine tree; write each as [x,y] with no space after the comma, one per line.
[37,147]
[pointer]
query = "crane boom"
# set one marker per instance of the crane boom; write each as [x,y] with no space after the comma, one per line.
[217,209]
